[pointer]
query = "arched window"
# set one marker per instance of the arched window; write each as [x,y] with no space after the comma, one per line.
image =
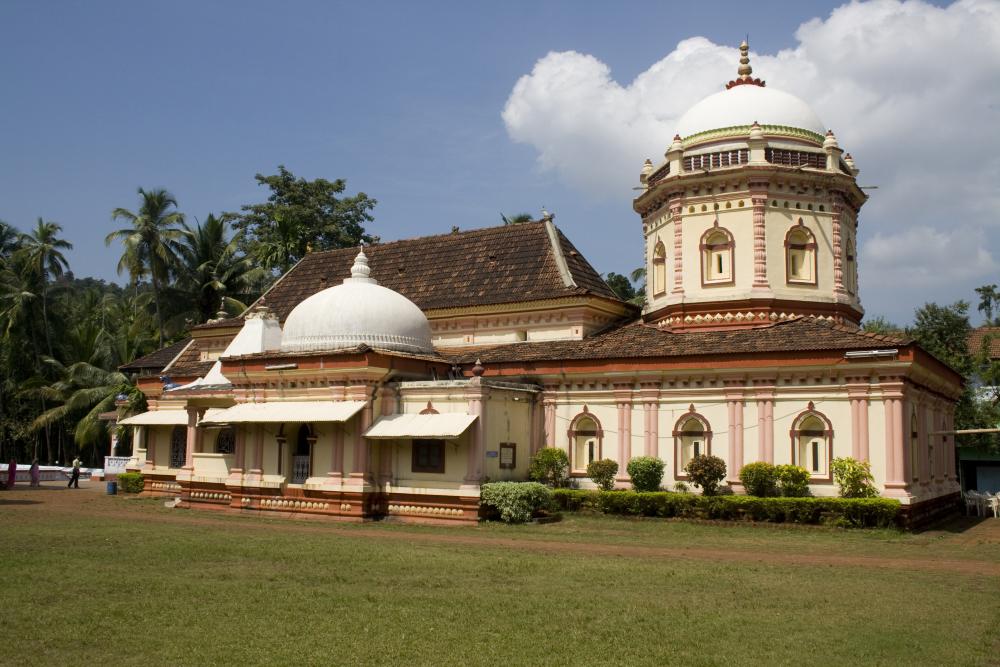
[659,268]
[800,255]
[851,269]
[692,437]
[178,447]
[914,447]
[717,256]
[812,443]
[585,439]
[302,458]
[225,443]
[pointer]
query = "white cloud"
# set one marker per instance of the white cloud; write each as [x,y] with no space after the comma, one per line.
[910,89]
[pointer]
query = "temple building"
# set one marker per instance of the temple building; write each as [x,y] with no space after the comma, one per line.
[393,381]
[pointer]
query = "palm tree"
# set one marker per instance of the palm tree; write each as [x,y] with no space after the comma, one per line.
[42,251]
[211,274]
[516,219]
[10,241]
[151,242]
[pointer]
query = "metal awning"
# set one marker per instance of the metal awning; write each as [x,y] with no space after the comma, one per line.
[284,411]
[446,426]
[158,418]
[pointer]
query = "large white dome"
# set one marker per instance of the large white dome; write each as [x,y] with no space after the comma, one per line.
[742,105]
[359,311]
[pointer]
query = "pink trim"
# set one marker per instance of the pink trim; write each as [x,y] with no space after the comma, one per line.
[735,406]
[477,451]
[624,435]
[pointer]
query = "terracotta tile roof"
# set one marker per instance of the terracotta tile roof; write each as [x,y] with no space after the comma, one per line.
[189,363]
[495,265]
[156,361]
[978,336]
[637,340]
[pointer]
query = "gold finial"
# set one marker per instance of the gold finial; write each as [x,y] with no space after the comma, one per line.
[745,70]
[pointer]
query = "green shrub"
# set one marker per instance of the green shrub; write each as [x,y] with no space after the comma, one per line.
[706,472]
[130,482]
[603,473]
[854,478]
[846,512]
[681,487]
[549,465]
[759,479]
[646,473]
[515,502]
[793,481]
[574,500]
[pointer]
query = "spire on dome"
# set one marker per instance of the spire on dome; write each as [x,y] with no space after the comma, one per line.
[744,70]
[361,272]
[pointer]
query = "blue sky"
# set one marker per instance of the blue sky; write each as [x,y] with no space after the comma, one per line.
[402,99]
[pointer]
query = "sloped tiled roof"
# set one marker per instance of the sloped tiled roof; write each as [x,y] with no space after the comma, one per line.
[156,361]
[637,340]
[495,265]
[189,363]
[978,336]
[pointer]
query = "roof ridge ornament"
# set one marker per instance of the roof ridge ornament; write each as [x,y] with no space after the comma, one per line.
[745,70]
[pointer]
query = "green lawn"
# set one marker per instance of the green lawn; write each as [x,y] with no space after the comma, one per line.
[127,581]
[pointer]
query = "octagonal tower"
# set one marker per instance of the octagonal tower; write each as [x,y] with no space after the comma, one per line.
[753,216]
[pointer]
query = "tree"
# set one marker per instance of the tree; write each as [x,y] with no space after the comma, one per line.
[516,219]
[638,278]
[989,302]
[881,326]
[300,216]
[211,272]
[10,240]
[620,285]
[150,244]
[43,257]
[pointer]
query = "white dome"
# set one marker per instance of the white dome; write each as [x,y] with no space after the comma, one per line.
[744,104]
[359,311]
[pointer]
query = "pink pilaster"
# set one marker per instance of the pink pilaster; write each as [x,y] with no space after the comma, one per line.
[476,395]
[150,441]
[896,484]
[734,403]
[192,438]
[949,425]
[240,453]
[623,399]
[337,453]
[359,466]
[549,405]
[649,395]
[857,392]
[765,425]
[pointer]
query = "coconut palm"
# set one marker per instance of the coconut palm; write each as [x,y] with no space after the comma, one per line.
[211,274]
[150,243]
[43,257]
[516,219]
[10,241]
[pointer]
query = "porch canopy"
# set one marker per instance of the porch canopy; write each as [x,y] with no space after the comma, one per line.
[168,418]
[157,418]
[284,411]
[446,426]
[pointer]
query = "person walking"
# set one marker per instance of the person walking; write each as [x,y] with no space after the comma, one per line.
[11,473]
[74,481]
[35,474]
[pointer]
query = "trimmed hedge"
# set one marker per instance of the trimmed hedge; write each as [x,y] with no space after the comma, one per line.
[515,502]
[130,482]
[574,500]
[846,512]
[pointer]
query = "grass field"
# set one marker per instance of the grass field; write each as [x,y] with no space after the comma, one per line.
[110,579]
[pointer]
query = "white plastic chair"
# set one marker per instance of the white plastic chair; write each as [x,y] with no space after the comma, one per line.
[971,502]
[993,503]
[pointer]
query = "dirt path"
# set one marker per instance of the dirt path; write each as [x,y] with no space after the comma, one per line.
[91,501]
